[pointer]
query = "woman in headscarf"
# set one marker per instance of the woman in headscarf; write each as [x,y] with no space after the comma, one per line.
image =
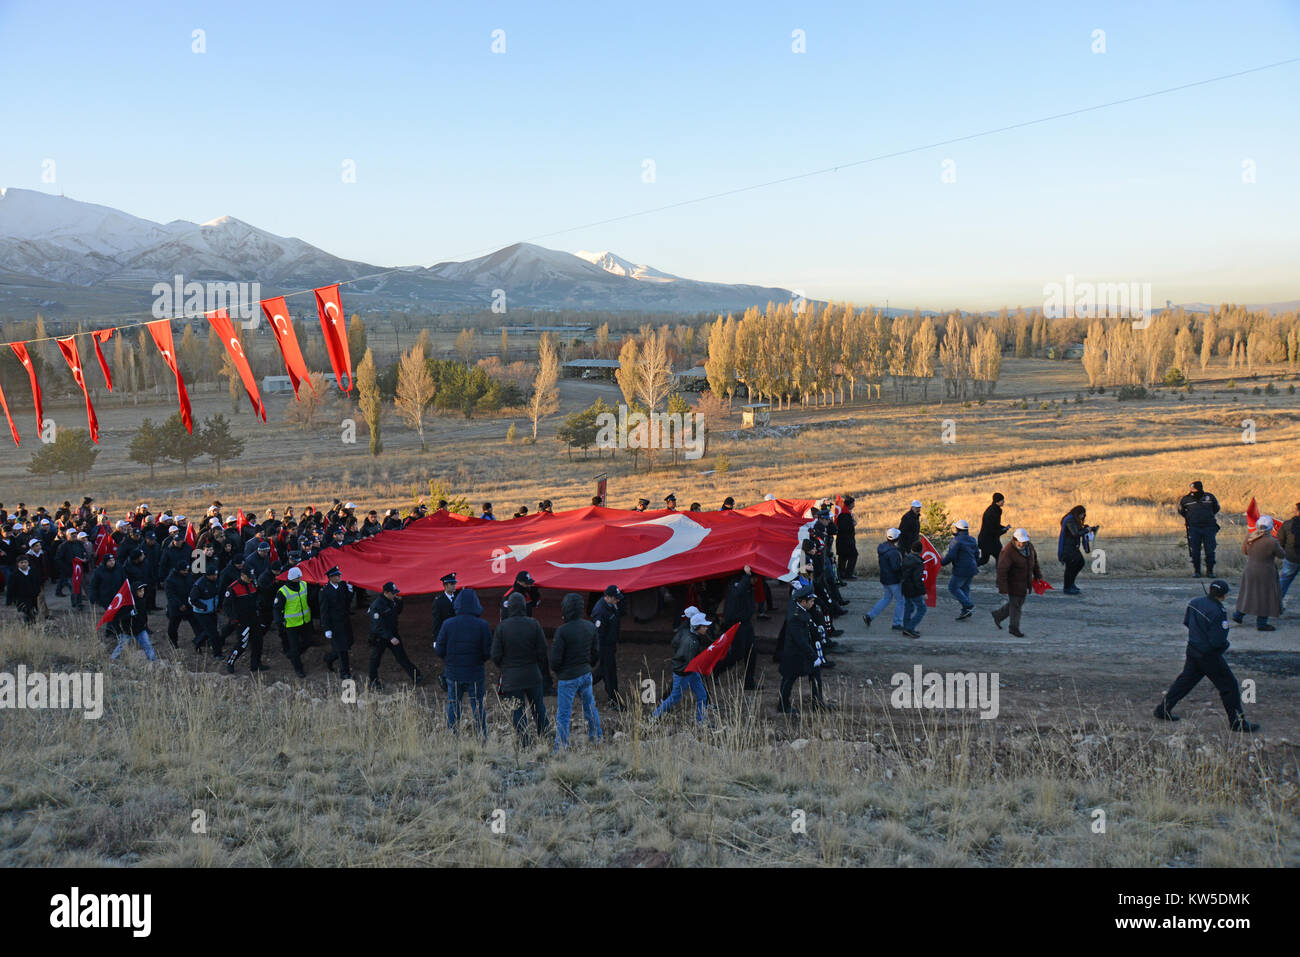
[1261,591]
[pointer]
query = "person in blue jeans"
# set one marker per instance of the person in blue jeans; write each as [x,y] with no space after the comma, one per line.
[686,646]
[574,650]
[963,555]
[136,628]
[464,643]
[913,587]
[891,577]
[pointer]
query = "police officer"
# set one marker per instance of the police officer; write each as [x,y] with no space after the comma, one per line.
[203,598]
[444,604]
[242,604]
[846,543]
[670,502]
[606,617]
[176,589]
[1198,508]
[294,617]
[335,605]
[383,615]
[738,609]
[798,656]
[642,504]
[1207,639]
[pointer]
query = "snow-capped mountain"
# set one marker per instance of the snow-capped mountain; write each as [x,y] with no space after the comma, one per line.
[622,267]
[57,254]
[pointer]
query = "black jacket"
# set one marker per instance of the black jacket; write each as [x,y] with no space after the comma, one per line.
[913,580]
[910,527]
[739,605]
[383,616]
[443,608]
[519,647]
[104,583]
[205,596]
[335,604]
[177,589]
[846,534]
[992,530]
[1207,626]
[1198,510]
[606,618]
[21,589]
[797,655]
[574,647]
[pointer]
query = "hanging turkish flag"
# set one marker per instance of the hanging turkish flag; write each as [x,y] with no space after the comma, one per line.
[20,350]
[330,307]
[708,659]
[104,545]
[12,428]
[68,346]
[277,314]
[221,322]
[123,599]
[930,559]
[241,520]
[190,537]
[161,330]
[102,336]
[1252,515]
[77,574]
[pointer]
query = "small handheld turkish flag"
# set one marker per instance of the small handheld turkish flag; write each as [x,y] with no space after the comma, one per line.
[240,519]
[78,572]
[1040,585]
[708,659]
[190,537]
[1252,515]
[122,599]
[930,559]
[104,545]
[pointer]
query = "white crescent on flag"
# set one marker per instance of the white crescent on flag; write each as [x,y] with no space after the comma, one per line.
[686,534]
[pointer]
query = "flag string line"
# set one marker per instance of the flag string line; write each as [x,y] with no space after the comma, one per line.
[763,185]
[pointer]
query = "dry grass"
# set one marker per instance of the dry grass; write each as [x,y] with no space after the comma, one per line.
[286,779]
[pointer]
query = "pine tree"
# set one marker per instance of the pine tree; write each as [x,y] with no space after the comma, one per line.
[219,442]
[148,446]
[179,445]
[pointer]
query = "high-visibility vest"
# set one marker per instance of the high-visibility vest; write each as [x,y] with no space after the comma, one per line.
[296,611]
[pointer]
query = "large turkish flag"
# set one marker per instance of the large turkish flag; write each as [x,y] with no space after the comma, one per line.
[583,550]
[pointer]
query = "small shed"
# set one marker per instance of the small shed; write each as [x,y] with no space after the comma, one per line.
[276,384]
[756,413]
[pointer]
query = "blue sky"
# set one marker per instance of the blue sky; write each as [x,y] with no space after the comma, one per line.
[459,151]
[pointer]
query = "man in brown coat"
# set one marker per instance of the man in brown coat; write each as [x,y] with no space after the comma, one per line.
[1261,590]
[1017,571]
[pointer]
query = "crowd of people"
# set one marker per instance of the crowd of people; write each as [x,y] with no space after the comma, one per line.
[220,574]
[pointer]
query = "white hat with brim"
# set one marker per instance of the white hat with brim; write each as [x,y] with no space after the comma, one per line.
[699,618]
[893,534]
[1020,535]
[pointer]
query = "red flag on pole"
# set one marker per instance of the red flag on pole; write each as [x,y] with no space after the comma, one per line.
[277,314]
[77,574]
[68,346]
[12,428]
[101,336]
[121,600]
[241,520]
[1252,515]
[221,322]
[190,538]
[20,350]
[930,559]
[161,330]
[708,659]
[104,545]
[330,307]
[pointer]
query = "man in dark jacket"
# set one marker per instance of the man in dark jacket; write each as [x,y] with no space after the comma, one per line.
[335,609]
[526,586]
[738,609]
[134,624]
[383,615]
[1207,639]
[909,527]
[519,650]
[574,649]
[913,588]
[798,657]
[242,603]
[204,599]
[105,580]
[891,577]
[24,588]
[176,591]
[464,643]
[606,616]
[1198,509]
[963,555]
[444,603]
[992,530]
[846,542]
[1017,571]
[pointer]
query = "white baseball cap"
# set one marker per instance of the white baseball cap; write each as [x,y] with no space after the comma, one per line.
[1020,535]
[295,573]
[33,541]
[916,503]
[690,612]
[699,618]
[892,534]
[769,497]
[1265,522]
[962,524]
[349,505]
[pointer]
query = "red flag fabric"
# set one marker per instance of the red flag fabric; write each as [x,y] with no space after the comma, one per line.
[77,575]
[277,314]
[330,307]
[190,537]
[101,336]
[13,429]
[1252,515]
[123,599]
[1040,585]
[708,659]
[240,519]
[583,549]
[221,322]
[161,330]
[68,346]
[104,546]
[930,558]
[20,350]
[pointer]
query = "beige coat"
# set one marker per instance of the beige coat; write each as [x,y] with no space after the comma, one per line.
[1261,592]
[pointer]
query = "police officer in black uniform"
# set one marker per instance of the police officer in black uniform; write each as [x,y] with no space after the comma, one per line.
[1207,639]
[335,608]
[383,615]
[444,605]
[1198,509]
